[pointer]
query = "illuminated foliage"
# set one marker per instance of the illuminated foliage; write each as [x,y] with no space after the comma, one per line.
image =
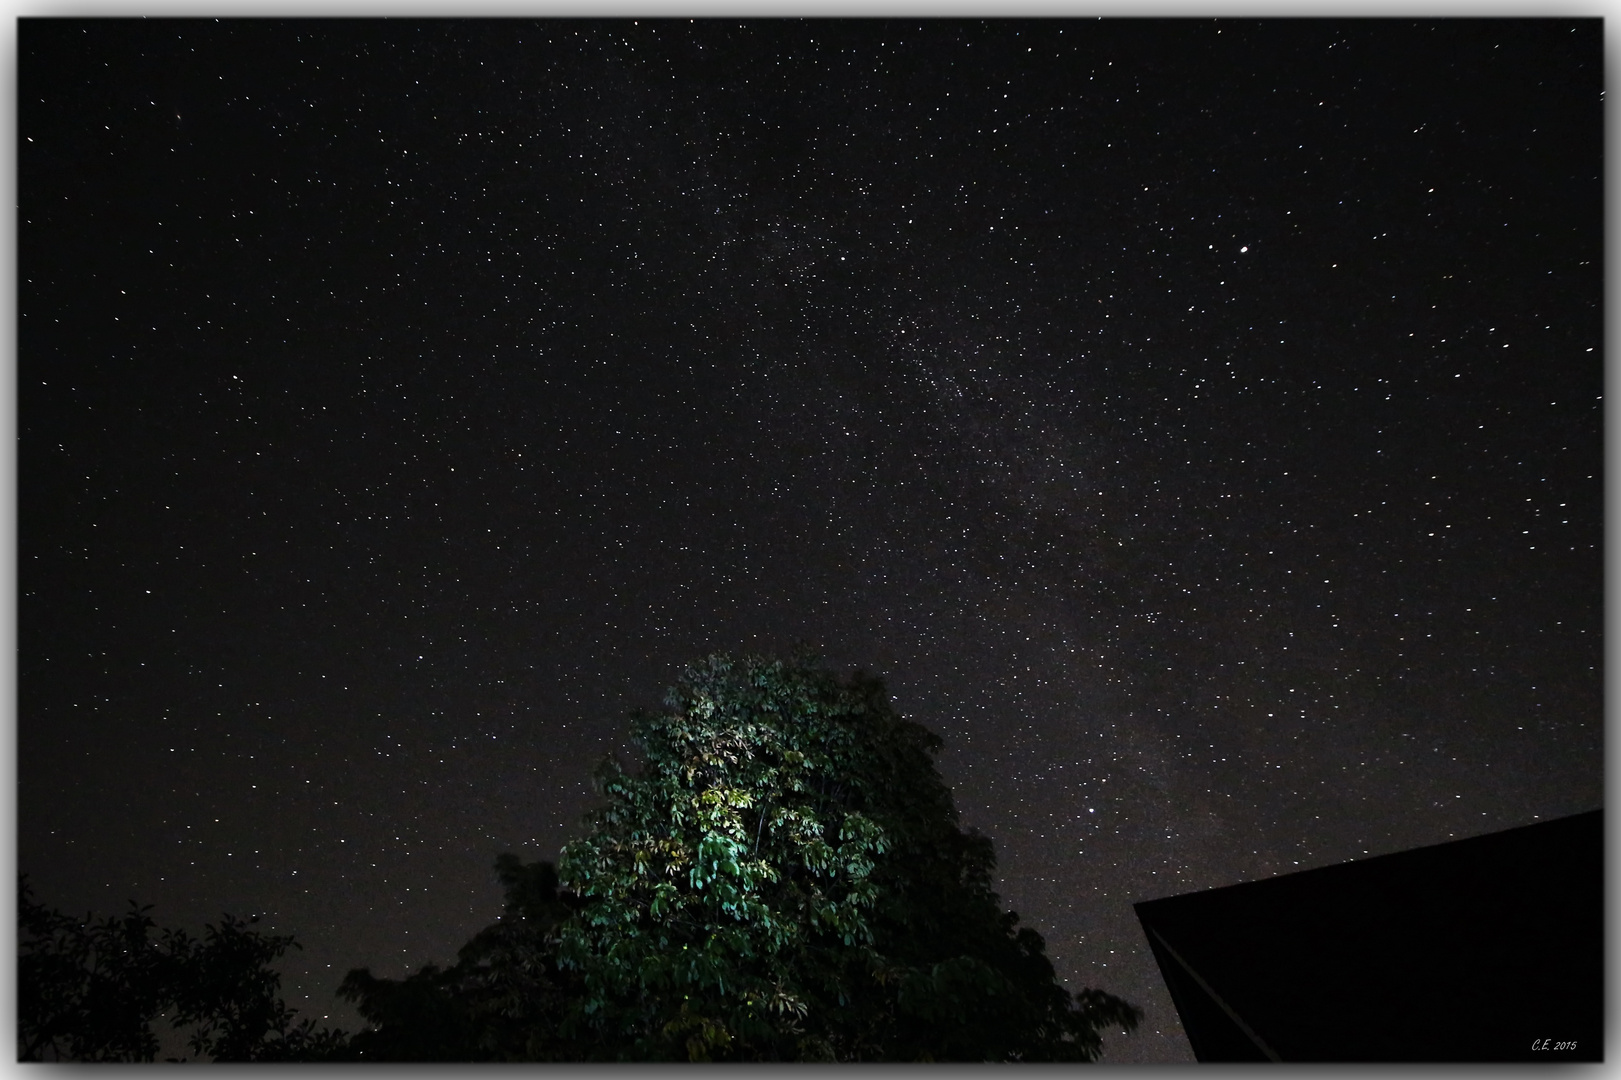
[782,878]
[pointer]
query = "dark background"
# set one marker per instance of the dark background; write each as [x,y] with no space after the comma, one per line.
[1197,423]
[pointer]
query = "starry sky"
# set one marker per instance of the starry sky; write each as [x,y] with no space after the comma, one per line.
[1197,423]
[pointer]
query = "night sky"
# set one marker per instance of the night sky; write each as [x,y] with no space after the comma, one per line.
[1198,424]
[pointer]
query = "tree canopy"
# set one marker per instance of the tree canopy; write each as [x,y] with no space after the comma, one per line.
[91,990]
[783,877]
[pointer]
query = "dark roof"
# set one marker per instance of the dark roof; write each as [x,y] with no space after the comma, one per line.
[1472,950]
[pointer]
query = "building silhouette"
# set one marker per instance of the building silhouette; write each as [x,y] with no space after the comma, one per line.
[1486,949]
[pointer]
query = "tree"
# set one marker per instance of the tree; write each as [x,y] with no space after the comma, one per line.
[90,990]
[783,878]
[505,999]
